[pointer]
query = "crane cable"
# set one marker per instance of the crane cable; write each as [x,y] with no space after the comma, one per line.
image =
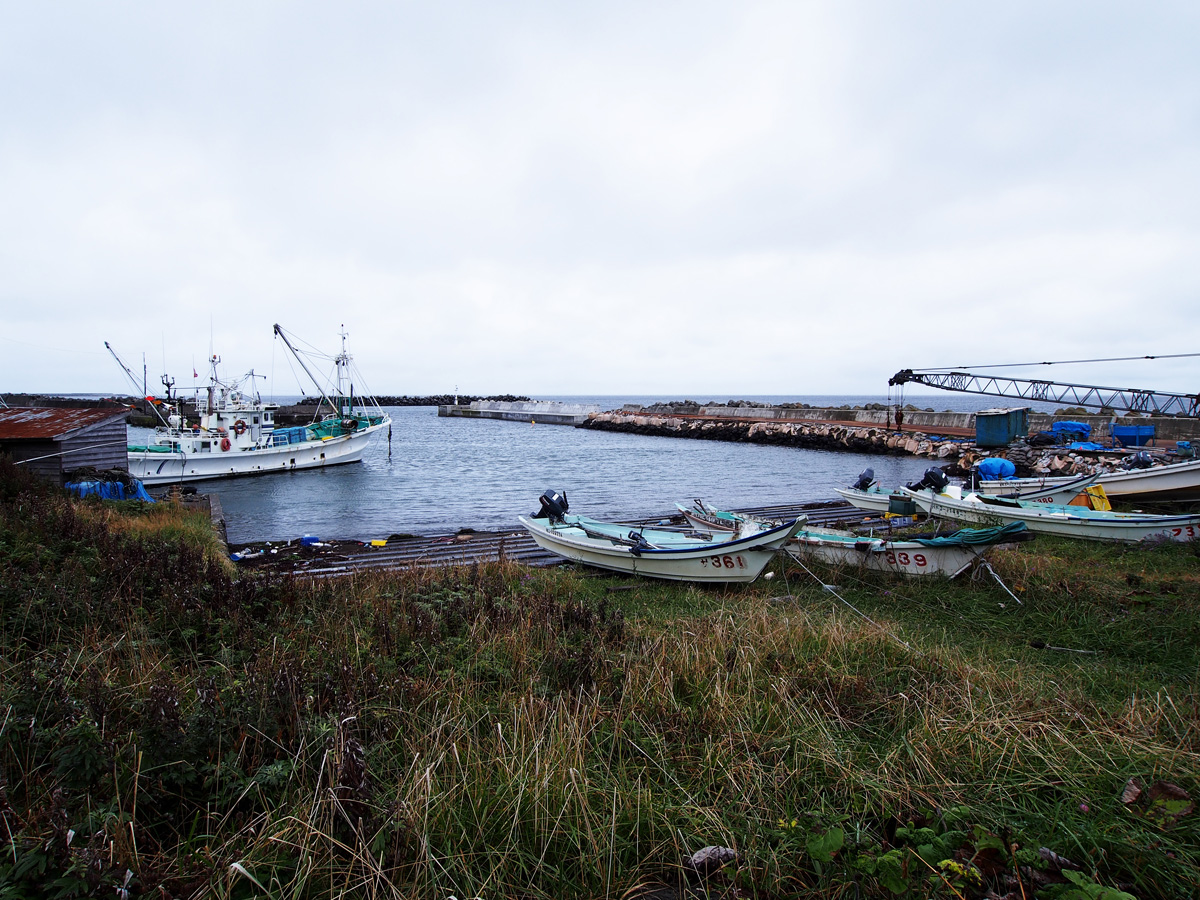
[1062,362]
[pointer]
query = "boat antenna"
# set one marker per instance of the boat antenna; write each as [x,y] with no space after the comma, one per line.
[280,333]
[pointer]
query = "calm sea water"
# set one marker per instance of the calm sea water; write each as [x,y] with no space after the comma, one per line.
[441,474]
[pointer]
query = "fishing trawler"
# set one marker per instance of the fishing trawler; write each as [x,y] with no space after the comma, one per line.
[236,434]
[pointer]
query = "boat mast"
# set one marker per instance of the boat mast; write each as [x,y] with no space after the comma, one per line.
[342,362]
[280,333]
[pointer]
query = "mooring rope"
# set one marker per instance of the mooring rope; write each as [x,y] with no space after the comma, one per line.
[987,565]
[833,590]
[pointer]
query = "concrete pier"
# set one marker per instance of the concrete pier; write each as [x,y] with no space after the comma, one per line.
[543,412]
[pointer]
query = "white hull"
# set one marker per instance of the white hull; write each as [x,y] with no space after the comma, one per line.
[1066,521]
[1051,494]
[1176,481]
[156,467]
[899,557]
[878,500]
[841,548]
[871,501]
[739,560]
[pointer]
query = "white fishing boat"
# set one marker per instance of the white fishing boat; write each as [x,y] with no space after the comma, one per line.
[1059,493]
[1068,521]
[676,555]
[235,431]
[1174,481]
[923,554]
[873,498]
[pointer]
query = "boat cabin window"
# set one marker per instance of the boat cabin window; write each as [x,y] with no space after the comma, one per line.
[255,420]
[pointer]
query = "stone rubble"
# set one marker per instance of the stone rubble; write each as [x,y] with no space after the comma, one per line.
[956,455]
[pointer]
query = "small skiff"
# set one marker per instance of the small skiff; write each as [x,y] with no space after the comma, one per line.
[875,499]
[923,554]
[1176,481]
[685,555]
[1069,521]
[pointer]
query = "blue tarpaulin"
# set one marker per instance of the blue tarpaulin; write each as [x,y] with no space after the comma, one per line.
[1079,431]
[994,468]
[108,490]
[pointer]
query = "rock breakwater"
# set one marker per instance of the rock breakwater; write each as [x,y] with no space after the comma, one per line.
[955,455]
[809,435]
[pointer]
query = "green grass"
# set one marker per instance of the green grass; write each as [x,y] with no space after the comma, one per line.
[496,731]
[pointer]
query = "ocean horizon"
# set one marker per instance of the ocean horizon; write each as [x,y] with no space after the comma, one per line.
[946,402]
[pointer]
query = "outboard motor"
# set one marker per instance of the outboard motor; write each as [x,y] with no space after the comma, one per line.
[554,506]
[638,543]
[1140,460]
[865,480]
[934,478]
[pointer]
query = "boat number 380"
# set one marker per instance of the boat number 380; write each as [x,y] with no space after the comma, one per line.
[724,562]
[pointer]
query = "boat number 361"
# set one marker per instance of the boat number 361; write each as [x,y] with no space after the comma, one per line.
[724,562]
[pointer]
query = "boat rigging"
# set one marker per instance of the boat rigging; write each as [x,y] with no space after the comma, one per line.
[237,435]
[150,401]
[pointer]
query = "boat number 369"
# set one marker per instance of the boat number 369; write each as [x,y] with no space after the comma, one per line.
[724,562]
[904,558]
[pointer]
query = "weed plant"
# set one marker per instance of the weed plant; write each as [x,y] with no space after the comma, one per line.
[168,728]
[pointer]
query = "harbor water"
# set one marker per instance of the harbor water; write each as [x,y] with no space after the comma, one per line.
[440,475]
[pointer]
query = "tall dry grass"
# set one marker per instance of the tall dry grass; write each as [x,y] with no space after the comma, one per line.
[501,732]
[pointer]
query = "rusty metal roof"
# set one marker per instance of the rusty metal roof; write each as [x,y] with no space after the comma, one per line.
[48,424]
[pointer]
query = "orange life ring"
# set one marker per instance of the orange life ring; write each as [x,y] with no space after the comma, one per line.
[240,426]
[225,445]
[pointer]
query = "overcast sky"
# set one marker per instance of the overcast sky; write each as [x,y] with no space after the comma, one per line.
[686,199]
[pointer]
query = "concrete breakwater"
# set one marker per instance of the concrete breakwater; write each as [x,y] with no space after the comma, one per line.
[548,412]
[304,412]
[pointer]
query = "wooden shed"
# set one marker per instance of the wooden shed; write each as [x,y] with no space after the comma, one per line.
[53,442]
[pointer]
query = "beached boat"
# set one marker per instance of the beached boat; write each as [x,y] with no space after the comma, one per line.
[1174,481]
[1069,521]
[235,433]
[922,554]
[1059,493]
[873,498]
[676,555]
